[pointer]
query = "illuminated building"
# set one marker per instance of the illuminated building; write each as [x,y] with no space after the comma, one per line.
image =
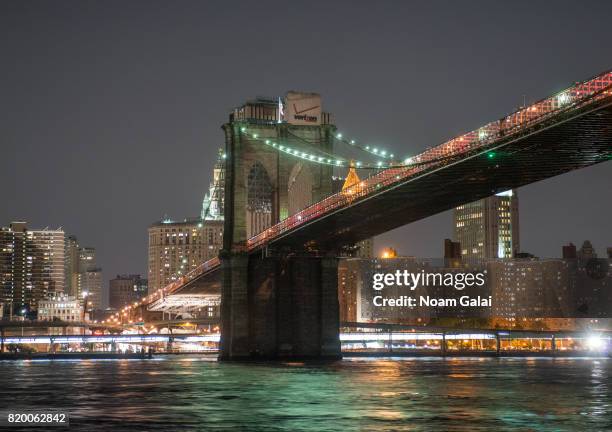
[126,289]
[365,248]
[175,248]
[488,228]
[356,293]
[82,274]
[60,307]
[31,266]
[530,287]
[91,283]
[89,279]
[212,205]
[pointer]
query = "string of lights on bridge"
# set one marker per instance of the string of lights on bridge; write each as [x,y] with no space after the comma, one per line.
[386,158]
[381,153]
[317,156]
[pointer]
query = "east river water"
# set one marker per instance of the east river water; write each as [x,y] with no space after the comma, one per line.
[178,393]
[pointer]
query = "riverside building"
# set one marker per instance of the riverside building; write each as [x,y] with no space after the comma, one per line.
[31,266]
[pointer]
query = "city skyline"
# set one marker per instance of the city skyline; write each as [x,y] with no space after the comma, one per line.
[105,124]
[347,215]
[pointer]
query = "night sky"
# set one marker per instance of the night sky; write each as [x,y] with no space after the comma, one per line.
[110,112]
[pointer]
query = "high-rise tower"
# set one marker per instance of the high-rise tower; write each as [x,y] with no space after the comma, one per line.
[488,228]
[31,266]
[212,205]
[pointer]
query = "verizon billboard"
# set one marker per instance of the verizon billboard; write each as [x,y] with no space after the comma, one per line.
[303,108]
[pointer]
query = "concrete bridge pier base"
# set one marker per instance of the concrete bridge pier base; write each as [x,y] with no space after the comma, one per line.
[279,308]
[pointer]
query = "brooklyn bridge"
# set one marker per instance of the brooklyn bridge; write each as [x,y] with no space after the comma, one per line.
[285,228]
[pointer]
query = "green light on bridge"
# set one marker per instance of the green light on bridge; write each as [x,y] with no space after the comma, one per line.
[491,155]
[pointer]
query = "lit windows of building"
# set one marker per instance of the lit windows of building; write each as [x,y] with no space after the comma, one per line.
[488,228]
[31,266]
[126,289]
[175,248]
[213,203]
[59,307]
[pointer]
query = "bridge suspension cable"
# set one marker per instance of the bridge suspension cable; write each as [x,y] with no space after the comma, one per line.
[314,155]
[371,151]
[319,157]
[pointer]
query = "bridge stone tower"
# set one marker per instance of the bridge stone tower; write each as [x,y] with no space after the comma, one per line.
[276,303]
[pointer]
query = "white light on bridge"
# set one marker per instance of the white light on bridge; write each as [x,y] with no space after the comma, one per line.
[563,98]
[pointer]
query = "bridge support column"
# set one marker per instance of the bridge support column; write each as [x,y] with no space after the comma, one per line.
[279,307]
[234,307]
[330,309]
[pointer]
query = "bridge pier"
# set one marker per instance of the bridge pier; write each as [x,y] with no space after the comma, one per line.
[279,308]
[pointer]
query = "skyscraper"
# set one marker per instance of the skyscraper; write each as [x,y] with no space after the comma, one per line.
[175,248]
[91,288]
[212,205]
[71,256]
[82,274]
[529,287]
[488,228]
[31,266]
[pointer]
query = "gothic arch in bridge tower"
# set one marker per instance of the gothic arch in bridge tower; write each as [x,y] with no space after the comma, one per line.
[259,200]
[299,189]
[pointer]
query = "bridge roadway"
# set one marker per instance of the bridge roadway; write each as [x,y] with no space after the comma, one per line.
[569,130]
